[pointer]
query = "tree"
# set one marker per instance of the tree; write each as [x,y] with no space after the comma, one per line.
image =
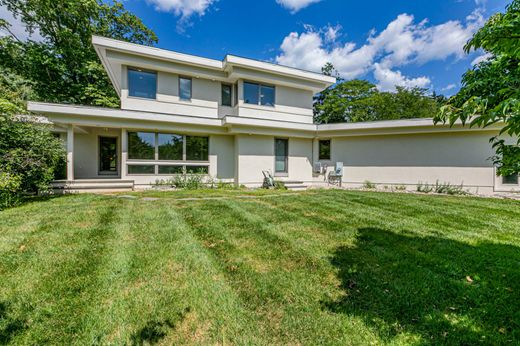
[29,153]
[64,66]
[350,101]
[359,100]
[490,92]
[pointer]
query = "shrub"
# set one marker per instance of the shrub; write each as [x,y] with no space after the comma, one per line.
[369,185]
[442,188]
[424,188]
[279,185]
[194,182]
[29,153]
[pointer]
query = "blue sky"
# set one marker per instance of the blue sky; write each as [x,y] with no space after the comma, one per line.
[407,42]
[389,42]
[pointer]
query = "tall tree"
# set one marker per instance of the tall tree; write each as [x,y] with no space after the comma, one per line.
[64,67]
[359,100]
[490,91]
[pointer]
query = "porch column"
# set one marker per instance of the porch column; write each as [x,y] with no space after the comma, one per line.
[70,152]
[124,152]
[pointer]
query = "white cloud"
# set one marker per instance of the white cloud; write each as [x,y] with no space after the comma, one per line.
[296,5]
[183,8]
[389,79]
[17,28]
[480,58]
[449,87]
[401,43]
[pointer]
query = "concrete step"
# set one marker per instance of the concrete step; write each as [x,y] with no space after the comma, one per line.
[296,186]
[92,185]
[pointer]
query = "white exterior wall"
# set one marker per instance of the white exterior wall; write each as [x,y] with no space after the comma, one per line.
[86,152]
[291,104]
[256,154]
[455,158]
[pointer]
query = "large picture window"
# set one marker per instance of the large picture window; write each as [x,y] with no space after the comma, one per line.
[142,83]
[197,148]
[141,145]
[167,154]
[259,94]
[170,146]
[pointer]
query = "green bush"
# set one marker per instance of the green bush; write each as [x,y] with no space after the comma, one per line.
[369,185]
[442,188]
[29,153]
[279,185]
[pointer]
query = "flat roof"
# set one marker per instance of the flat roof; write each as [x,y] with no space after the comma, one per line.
[401,126]
[229,60]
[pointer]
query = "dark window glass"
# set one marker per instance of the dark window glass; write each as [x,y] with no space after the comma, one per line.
[170,147]
[185,88]
[141,169]
[197,148]
[142,83]
[235,88]
[197,169]
[324,150]
[251,93]
[510,179]
[266,95]
[171,169]
[107,155]
[226,95]
[141,145]
[281,151]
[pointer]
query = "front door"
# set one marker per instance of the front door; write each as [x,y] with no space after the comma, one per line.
[281,154]
[108,155]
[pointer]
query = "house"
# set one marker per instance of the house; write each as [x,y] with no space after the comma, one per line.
[233,119]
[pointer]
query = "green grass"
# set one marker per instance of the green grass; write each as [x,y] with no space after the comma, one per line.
[318,267]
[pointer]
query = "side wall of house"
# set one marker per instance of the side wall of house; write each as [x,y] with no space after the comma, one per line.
[390,160]
[256,154]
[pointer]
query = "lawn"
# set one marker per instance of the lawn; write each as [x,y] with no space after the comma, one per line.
[316,267]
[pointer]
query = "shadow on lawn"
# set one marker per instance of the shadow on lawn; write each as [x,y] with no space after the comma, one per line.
[155,331]
[10,325]
[443,290]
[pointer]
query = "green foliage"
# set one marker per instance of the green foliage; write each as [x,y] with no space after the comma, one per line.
[64,67]
[279,185]
[442,188]
[29,153]
[359,100]
[490,91]
[369,185]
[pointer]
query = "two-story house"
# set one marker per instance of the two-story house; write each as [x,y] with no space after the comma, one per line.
[233,119]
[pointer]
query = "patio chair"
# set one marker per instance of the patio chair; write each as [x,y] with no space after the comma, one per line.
[336,176]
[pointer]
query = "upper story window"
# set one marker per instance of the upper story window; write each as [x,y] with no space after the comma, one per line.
[184,88]
[259,94]
[142,83]
[226,95]
[324,149]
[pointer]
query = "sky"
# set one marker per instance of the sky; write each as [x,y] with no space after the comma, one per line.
[388,42]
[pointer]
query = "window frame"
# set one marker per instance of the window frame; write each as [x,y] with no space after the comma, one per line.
[286,171]
[156,162]
[319,150]
[259,93]
[511,184]
[230,86]
[137,69]
[191,88]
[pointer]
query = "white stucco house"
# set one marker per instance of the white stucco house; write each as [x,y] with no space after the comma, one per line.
[234,118]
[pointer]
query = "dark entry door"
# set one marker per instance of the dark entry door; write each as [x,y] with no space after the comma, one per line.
[108,155]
